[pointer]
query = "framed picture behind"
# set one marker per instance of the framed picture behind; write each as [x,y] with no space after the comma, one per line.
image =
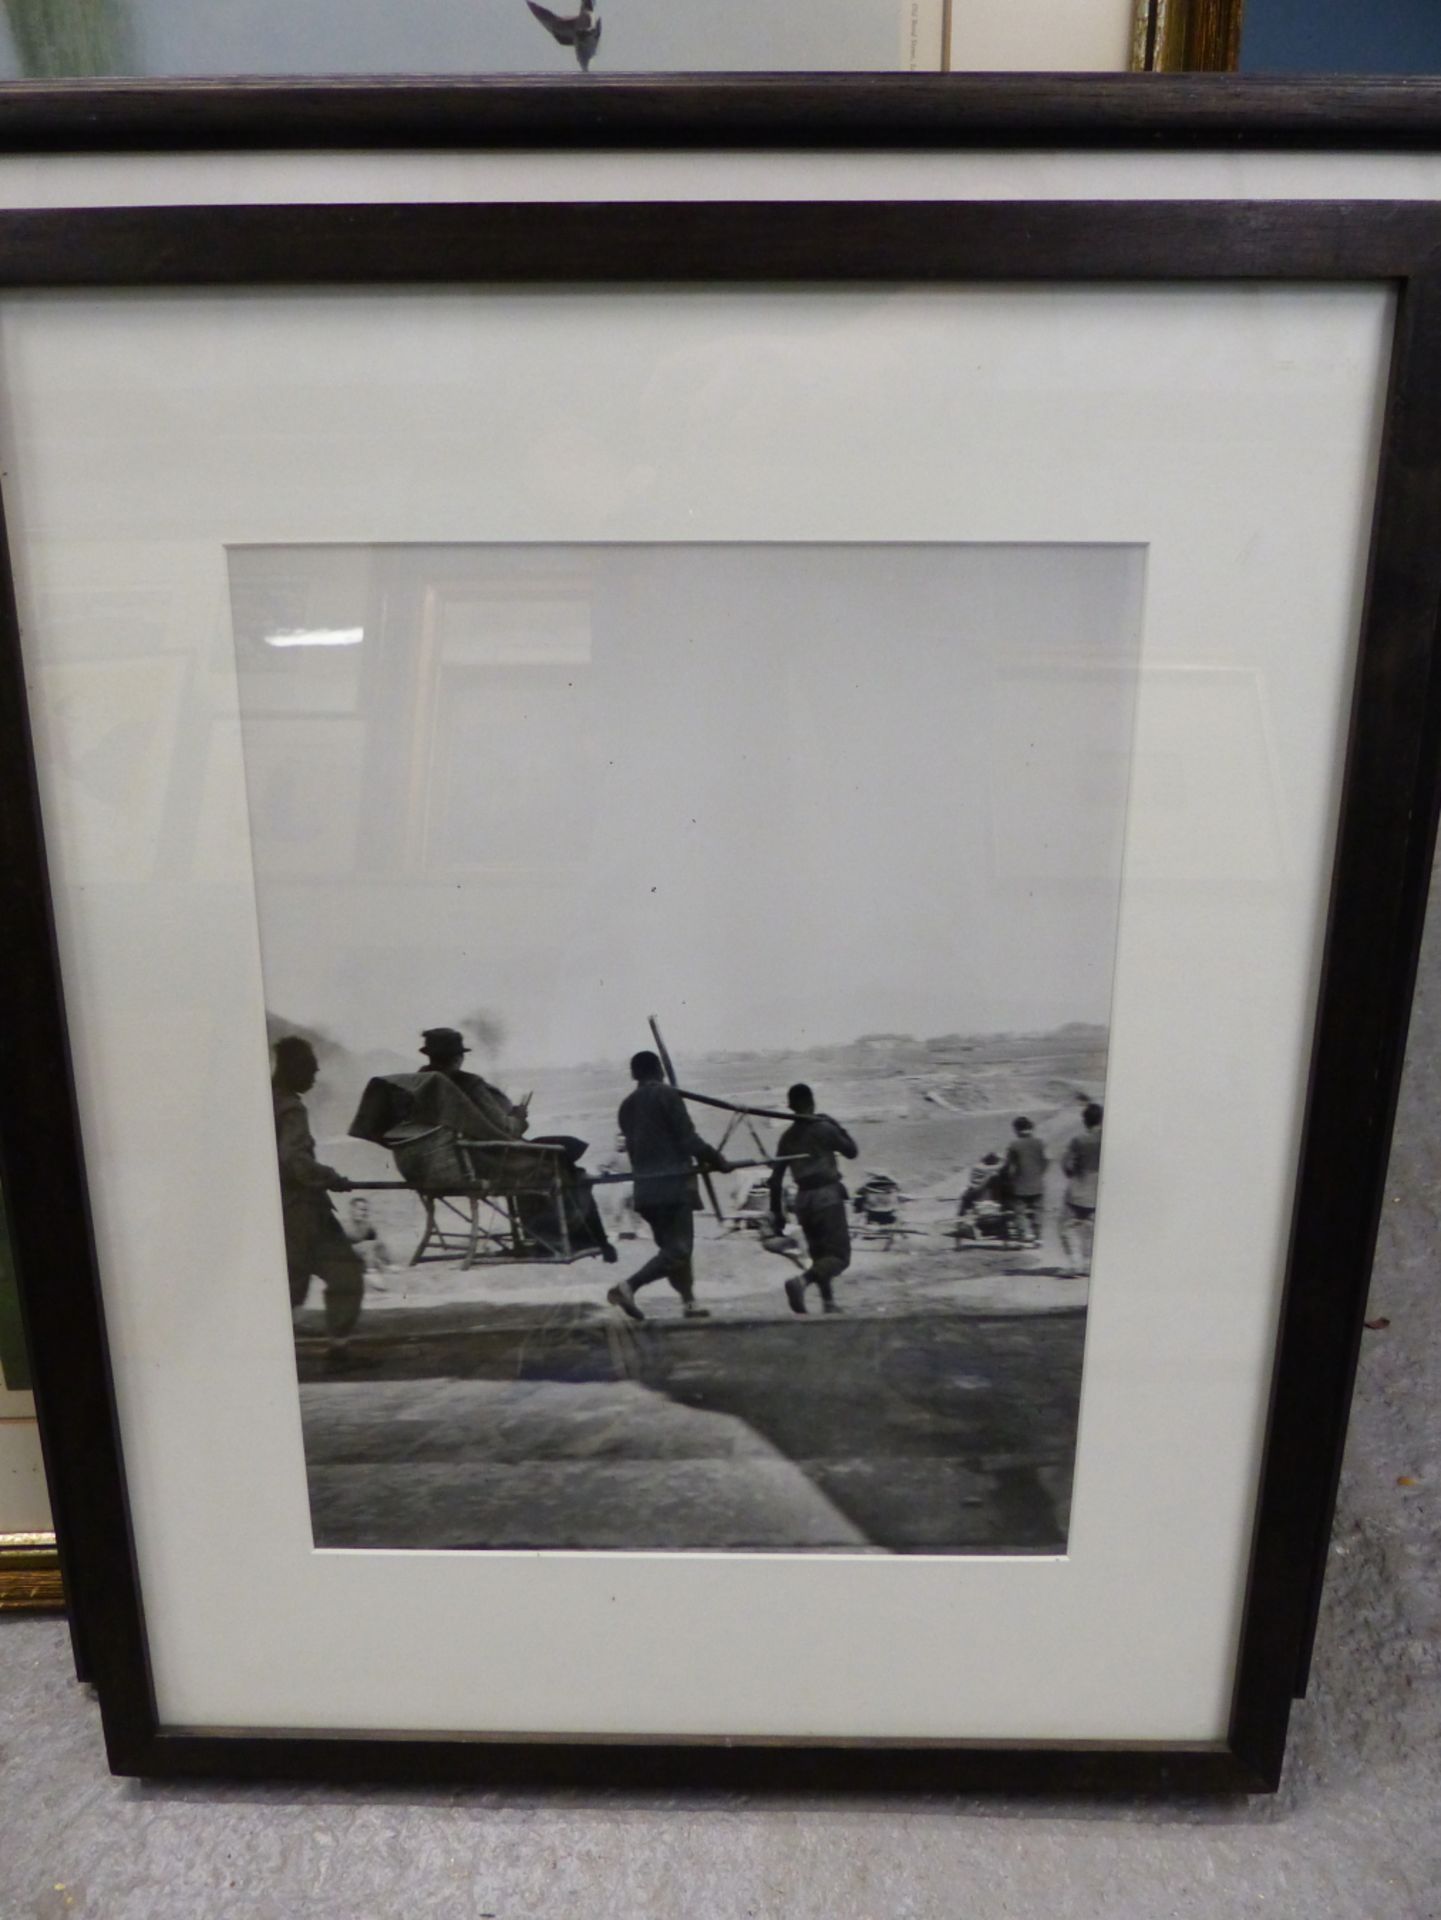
[1187,36]
[29,1573]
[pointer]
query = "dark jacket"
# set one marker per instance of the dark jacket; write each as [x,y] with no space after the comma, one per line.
[1026,1164]
[311,1228]
[663,1145]
[819,1139]
[1082,1167]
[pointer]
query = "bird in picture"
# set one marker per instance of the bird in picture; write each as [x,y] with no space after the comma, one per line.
[579,30]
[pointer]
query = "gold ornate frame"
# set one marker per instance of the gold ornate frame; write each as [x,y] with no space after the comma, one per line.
[1186,36]
[29,1572]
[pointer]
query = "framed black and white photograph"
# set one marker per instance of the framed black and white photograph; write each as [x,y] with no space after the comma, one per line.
[717,860]
[544,789]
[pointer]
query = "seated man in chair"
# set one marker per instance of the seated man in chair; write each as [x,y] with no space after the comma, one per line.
[452,1133]
[444,1049]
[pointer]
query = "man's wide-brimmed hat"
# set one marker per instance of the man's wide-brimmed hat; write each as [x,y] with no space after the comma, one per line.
[443,1040]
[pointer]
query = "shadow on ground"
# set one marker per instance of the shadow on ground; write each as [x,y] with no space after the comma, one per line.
[921,1433]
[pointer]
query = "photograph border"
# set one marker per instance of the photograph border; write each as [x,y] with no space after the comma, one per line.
[1379,890]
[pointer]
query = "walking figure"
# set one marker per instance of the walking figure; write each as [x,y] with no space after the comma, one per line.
[1026,1164]
[664,1151]
[315,1242]
[1082,1168]
[820,1202]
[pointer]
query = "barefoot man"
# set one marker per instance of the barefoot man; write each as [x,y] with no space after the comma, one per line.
[820,1197]
[664,1149]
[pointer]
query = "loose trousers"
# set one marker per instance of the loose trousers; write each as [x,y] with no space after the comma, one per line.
[316,1246]
[821,1212]
[673,1229]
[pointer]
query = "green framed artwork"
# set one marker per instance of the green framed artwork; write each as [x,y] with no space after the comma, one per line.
[29,1566]
[14,1364]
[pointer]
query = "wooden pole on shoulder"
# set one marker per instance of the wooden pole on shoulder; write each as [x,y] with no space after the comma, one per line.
[669,1065]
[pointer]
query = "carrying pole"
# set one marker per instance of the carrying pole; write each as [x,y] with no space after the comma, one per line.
[591,1179]
[734,1106]
[737,1166]
[669,1065]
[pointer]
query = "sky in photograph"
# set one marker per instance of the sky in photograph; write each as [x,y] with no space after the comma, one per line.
[780,796]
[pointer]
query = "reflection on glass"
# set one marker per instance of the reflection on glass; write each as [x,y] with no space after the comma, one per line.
[58,38]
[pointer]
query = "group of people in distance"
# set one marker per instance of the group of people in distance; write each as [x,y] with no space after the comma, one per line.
[1005,1196]
[665,1152]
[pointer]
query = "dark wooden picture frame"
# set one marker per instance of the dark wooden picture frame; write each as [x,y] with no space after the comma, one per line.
[1392,785]
[1175,112]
